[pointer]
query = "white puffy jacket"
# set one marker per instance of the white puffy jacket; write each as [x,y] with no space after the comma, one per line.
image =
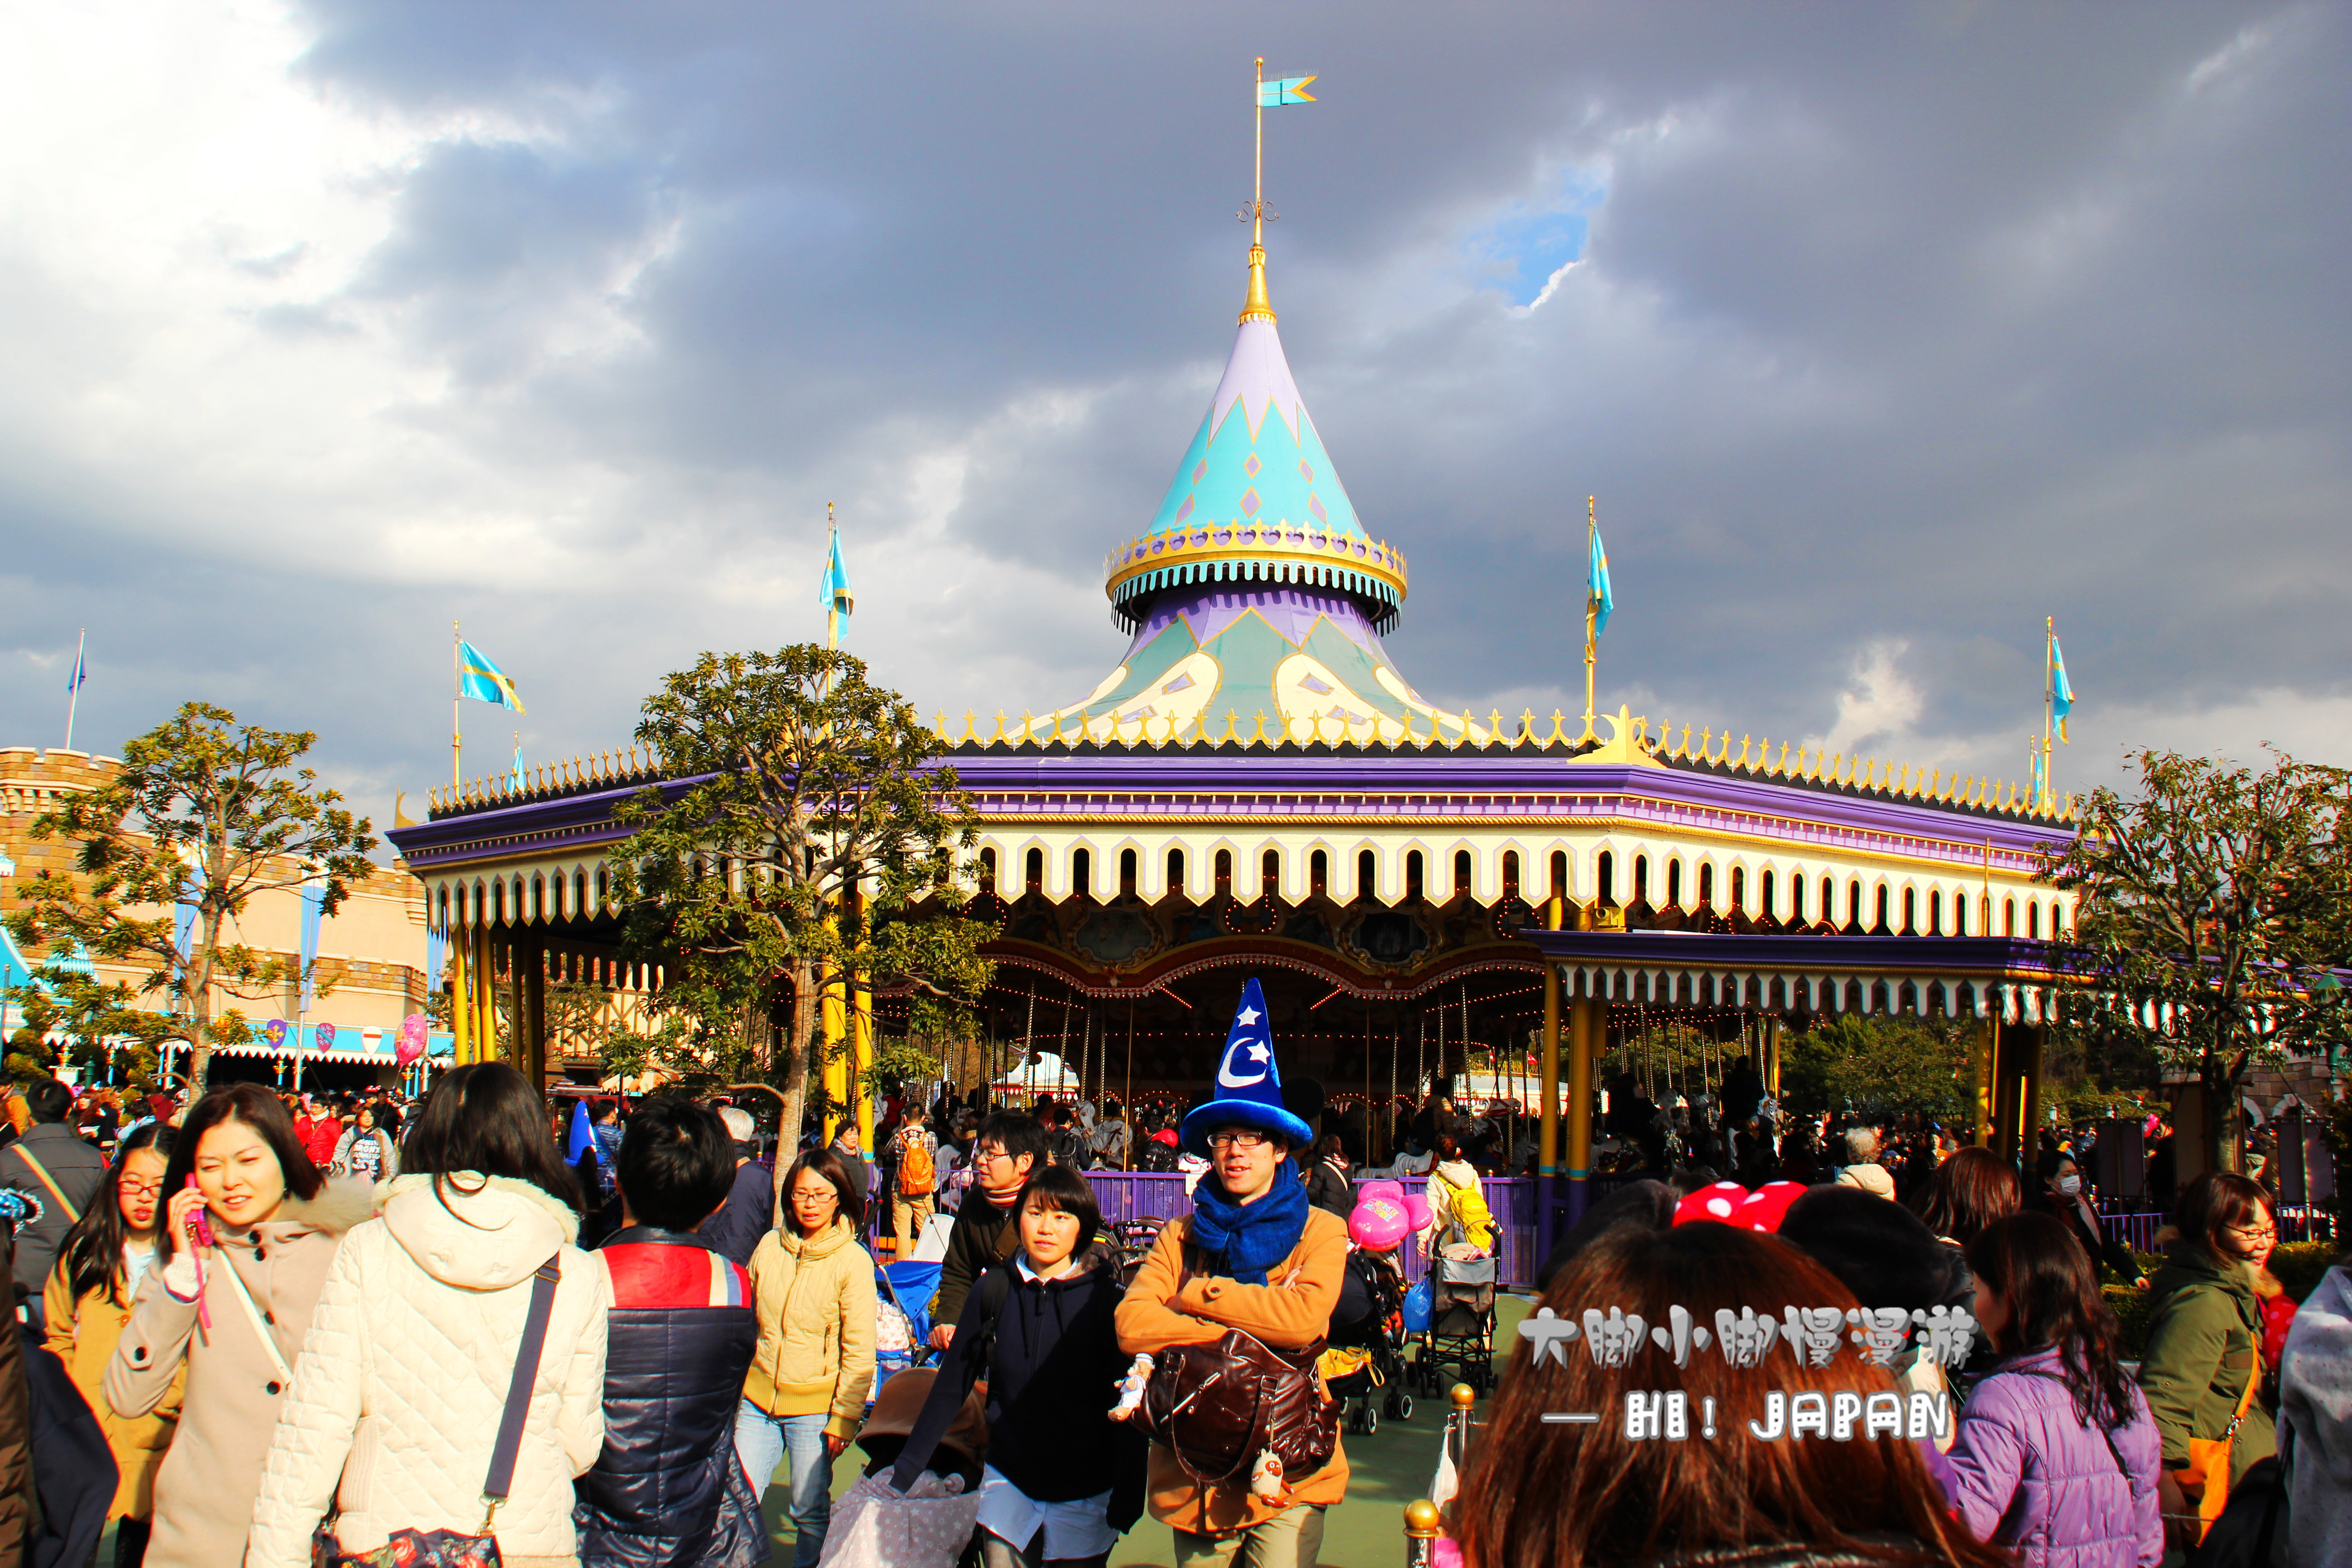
[403,1376]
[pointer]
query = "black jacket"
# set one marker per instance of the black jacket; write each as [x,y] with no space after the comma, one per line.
[1052,1370]
[1328,1189]
[77,1167]
[2095,1241]
[747,1214]
[74,1473]
[984,1236]
[667,1492]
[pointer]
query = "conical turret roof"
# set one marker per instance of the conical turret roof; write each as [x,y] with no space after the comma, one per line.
[1256,598]
[1256,498]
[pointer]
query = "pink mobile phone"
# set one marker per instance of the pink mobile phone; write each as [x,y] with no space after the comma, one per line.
[201,1222]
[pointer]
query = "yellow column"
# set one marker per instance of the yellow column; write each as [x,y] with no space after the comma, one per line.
[1588,1035]
[1547,1144]
[485,996]
[461,1002]
[861,1055]
[831,1028]
[1987,1039]
[1772,1056]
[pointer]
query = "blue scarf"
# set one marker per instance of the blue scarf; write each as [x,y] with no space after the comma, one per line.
[1248,1239]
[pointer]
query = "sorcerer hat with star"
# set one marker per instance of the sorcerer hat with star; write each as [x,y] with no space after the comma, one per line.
[1249,1085]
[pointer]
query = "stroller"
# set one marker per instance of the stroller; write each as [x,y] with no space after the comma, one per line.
[1366,1349]
[1461,1331]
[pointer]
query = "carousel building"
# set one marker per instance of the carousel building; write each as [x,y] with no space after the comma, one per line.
[1257,788]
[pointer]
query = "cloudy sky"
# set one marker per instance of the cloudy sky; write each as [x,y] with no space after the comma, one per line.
[1880,332]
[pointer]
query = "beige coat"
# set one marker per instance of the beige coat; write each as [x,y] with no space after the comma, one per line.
[204,1492]
[1169,1305]
[404,1378]
[83,1333]
[816,1300]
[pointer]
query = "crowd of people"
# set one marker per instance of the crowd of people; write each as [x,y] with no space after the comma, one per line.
[255,1321]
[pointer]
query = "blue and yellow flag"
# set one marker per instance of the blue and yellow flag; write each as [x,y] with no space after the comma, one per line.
[1289,91]
[833,595]
[483,681]
[1596,586]
[2062,691]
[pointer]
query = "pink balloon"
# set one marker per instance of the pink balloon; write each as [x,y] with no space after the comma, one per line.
[411,1044]
[1384,1188]
[1379,1224]
[1416,1209]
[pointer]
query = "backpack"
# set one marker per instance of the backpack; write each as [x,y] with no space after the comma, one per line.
[915,1173]
[1472,1217]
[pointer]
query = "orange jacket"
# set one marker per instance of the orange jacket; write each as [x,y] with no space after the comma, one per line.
[1168,1306]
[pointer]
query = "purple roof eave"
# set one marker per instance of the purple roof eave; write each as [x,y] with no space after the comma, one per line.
[571,821]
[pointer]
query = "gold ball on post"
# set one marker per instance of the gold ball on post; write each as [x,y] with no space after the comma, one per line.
[1422,1518]
[1465,1397]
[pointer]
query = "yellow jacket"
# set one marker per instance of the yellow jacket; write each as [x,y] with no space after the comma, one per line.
[815,1301]
[83,1333]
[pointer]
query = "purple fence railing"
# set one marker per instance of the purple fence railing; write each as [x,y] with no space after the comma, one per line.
[1138,1194]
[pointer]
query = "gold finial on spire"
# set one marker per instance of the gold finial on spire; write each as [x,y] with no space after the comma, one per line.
[1256,307]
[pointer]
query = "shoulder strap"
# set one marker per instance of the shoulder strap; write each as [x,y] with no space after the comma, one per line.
[73,1215]
[253,1316]
[526,1373]
[2253,1381]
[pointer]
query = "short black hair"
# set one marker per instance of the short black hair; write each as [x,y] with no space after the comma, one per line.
[1015,1132]
[677,1164]
[1065,1192]
[47,1099]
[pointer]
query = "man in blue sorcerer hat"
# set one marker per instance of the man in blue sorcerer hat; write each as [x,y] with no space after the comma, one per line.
[1252,1255]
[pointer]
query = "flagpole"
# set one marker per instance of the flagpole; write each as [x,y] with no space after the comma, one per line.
[1592,609]
[1257,199]
[457,690]
[2048,703]
[73,693]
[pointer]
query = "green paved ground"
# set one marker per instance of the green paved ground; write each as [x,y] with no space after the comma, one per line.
[1387,1470]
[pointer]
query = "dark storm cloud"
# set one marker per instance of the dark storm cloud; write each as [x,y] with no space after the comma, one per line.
[1893,325]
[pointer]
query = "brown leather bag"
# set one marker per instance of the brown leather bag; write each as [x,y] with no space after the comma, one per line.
[1218,1405]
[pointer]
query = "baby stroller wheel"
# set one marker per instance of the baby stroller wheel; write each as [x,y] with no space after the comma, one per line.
[1400,1405]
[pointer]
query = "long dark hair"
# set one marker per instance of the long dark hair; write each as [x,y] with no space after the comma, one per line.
[828,1165]
[2045,1277]
[92,1249]
[1968,1193]
[255,1106]
[1534,1492]
[485,1118]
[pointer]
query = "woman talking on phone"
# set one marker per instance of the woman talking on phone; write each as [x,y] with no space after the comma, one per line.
[248,1230]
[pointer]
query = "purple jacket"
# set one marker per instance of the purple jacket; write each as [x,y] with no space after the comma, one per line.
[2026,1473]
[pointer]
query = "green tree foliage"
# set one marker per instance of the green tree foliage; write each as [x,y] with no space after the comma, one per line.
[209,812]
[802,823]
[2212,904]
[1881,1066]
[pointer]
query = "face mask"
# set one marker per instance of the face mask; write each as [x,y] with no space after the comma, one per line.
[2070,1185]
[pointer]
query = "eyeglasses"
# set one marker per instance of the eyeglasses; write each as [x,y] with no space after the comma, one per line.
[2267,1233]
[1241,1140]
[142,1189]
[987,1152]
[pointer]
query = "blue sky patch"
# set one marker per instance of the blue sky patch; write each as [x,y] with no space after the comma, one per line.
[1527,242]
